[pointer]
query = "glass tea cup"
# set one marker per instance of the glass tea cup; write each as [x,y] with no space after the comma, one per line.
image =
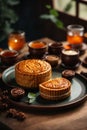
[75,35]
[16,40]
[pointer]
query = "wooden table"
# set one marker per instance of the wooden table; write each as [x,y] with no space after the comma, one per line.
[69,119]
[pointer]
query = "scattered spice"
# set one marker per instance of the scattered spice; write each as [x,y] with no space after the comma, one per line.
[10,112]
[13,113]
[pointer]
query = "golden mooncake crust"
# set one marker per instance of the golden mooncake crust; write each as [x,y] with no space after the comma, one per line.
[30,73]
[55,89]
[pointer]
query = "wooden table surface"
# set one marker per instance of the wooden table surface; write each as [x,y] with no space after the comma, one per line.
[69,119]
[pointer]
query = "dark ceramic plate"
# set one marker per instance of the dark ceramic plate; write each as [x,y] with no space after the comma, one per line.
[78,93]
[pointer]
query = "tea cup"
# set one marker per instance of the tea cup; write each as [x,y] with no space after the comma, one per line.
[8,57]
[70,57]
[37,49]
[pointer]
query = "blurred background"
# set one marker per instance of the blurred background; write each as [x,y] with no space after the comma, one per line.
[38,20]
[69,7]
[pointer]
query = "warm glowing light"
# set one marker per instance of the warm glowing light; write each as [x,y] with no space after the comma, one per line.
[16,41]
[75,39]
[75,35]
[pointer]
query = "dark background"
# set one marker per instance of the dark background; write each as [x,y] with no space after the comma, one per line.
[29,19]
[29,12]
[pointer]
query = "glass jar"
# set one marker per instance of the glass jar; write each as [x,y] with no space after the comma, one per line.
[16,40]
[75,35]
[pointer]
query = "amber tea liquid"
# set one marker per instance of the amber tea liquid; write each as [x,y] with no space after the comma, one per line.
[75,35]
[75,39]
[16,41]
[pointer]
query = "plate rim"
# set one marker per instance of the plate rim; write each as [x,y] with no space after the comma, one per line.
[42,107]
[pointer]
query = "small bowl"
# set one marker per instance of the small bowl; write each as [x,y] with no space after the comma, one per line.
[17,93]
[52,59]
[8,57]
[55,48]
[68,74]
[70,57]
[37,49]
